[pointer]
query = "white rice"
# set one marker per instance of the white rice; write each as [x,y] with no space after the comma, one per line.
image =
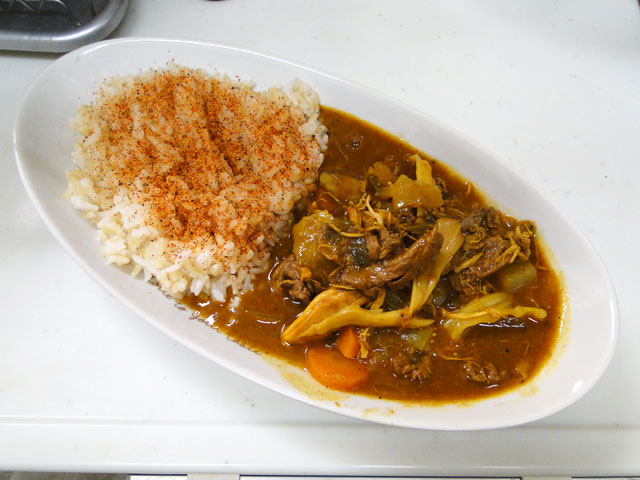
[190,178]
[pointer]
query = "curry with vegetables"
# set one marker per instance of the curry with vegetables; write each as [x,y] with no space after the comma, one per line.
[399,280]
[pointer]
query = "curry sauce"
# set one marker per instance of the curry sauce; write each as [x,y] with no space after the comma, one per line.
[413,364]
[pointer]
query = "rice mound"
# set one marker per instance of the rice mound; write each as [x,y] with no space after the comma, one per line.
[191,178]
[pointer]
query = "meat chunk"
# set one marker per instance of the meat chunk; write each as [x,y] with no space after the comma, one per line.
[486,373]
[390,244]
[479,224]
[362,251]
[412,364]
[289,278]
[522,236]
[373,247]
[494,257]
[473,222]
[395,272]
[473,232]
[491,242]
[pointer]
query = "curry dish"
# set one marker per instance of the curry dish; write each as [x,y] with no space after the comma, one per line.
[399,280]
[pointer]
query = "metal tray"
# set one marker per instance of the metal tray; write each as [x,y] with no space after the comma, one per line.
[57,25]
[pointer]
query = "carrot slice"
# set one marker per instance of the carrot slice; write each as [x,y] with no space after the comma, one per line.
[349,342]
[334,370]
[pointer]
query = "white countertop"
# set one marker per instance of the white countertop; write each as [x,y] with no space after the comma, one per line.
[553,88]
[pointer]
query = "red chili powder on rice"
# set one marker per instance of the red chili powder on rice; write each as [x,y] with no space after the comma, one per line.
[191,178]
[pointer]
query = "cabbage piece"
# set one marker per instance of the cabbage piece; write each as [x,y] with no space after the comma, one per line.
[486,309]
[343,187]
[428,276]
[335,308]
[517,275]
[419,337]
[381,172]
[308,234]
[424,173]
[421,192]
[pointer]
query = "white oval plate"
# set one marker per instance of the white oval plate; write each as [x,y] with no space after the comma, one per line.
[43,141]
